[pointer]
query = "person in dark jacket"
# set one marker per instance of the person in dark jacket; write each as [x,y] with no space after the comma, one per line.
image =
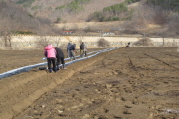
[128,45]
[82,49]
[68,49]
[60,58]
[72,51]
[50,53]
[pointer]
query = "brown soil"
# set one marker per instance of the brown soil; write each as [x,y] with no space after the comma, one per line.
[126,83]
[12,59]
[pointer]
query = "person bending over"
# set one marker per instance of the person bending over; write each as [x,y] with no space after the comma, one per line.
[60,58]
[50,53]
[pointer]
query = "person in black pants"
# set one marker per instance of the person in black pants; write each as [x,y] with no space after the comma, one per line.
[50,53]
[60,58]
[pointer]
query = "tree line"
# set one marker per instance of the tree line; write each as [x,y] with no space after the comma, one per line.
[117,12]
[166,4]
[16,20]
[159,12]
[121,11]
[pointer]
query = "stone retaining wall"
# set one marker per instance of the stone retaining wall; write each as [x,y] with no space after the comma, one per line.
[31,41]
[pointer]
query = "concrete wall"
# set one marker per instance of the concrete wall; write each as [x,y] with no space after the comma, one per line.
[30,41]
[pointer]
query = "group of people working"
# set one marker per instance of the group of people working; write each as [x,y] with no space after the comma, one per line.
[56,56]
[53,53]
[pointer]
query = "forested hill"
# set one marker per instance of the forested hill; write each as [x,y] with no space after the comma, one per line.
[88,10]
[33,16]
[65,10]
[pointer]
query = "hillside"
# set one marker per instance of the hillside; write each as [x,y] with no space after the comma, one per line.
[90,10]
[40,17]
[66,10]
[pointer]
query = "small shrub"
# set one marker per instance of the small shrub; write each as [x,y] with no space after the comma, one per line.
[35,7]
[58,20]
[103,43]
[24,32]
[60,7]
[144,42]
[42,41]
[25,3]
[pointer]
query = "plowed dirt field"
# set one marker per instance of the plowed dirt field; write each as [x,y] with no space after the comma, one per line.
[125,83]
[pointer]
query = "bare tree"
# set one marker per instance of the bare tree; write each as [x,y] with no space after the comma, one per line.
[173,24]
[43,41]
[15,19]
[144,42]
[8,30]
[57,40]
[80,39]
[12,18]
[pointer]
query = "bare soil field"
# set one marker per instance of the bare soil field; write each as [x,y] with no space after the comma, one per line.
[12,59]
[125,83]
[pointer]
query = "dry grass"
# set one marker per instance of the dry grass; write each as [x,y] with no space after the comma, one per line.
[143,42]
[90,25]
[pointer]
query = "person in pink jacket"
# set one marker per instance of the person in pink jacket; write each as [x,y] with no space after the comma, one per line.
[50,53]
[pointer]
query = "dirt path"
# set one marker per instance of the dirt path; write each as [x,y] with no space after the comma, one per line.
[128,83]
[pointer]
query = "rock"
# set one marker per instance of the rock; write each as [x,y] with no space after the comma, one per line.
[43,106]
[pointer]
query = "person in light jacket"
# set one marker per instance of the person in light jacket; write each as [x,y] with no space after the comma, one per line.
[50,53]
[85,50]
